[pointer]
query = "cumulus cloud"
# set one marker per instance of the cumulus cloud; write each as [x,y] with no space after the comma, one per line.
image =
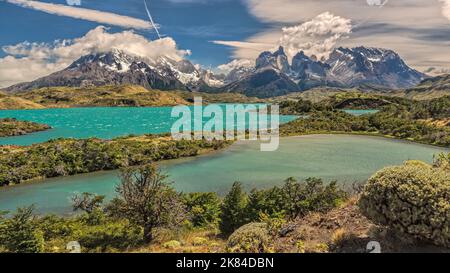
[28,61]
[84,14]
[316,37]
[237,63]
[400,25]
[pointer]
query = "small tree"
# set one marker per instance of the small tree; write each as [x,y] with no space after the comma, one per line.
[204,208]
[233,209]
[300,198]
[19,234]
[146,199]
[87,202]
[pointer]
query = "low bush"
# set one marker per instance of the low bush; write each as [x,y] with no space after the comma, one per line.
[412,199]
[250,238]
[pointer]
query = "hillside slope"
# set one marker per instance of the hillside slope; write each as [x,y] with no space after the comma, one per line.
[123,95]
[430,88]
[13,102]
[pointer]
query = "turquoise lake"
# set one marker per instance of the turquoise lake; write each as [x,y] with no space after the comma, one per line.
[100,122]
[332,157]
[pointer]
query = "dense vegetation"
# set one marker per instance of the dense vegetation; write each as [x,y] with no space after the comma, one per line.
[399,118]
[148,211]
[62,157]
[14,127]
[146,204]
[148,215]
[412,199]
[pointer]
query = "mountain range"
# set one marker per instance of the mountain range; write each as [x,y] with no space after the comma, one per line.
[273,74]
[345,68]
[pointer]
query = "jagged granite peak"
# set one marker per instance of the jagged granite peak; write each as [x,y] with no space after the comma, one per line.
[277,60]
[368,65]
[305,68]
[238,73]
[345,68]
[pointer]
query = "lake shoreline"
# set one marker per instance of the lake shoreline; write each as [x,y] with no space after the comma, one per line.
[342,158]
[212,152]
[231,148]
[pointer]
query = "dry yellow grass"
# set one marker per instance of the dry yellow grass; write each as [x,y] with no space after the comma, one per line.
[124,95]
[438,122]
[198,241]
[12,102]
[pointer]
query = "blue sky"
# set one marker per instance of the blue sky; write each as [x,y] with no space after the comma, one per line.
[192,24]
[217,31]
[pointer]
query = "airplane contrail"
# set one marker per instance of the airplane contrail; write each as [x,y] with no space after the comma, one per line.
[151,19]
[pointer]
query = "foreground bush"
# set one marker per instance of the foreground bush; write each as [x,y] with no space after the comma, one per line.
[18,234]
[233,209]
[412,199]
[204,208]
[250,238]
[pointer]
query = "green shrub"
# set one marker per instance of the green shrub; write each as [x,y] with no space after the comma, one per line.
[112,234]
[412,199]
[233,209]
[172,244]
[300,198]
[269,202]
[442,161]
[250,238]
[204,208]
[19,235]
[199,241]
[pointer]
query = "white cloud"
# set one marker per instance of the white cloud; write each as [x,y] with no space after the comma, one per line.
[238,63]
[316,37]
[251,45]
[445,8]
[413,28]
[28,61]
[84,14]
[404,12]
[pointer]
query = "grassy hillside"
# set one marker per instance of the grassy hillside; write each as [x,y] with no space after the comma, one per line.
[217,97]
[127,95]
[124,95]
[13,102]
[314,95]
[430,88]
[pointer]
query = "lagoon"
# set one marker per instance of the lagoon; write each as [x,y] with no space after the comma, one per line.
[345,158]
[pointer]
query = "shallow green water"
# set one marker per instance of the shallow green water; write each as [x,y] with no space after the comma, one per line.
[101,122]
[341,157]
[361,112]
